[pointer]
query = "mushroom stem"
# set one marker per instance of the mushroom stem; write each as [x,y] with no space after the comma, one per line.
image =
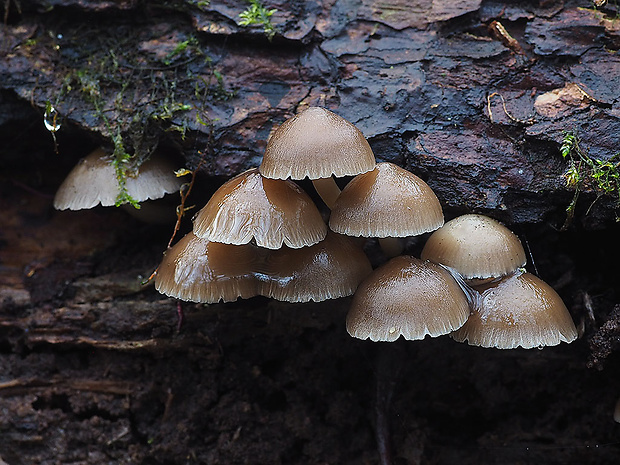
[327,189]
[388,370]
[391,246]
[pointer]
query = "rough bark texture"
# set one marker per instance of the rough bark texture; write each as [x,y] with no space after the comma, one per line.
[476,97]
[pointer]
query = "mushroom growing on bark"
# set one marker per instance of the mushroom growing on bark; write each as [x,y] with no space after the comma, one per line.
[318,144]
[407,297]
[272,212]
[476,246]
[198,270]
[520,310]
[94,181]
[331,269]
[388,202]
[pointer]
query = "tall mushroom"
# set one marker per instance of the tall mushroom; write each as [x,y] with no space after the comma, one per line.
[318,144]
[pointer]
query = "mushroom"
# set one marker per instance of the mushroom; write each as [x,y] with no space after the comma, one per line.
[331,269]
[520,310]
[388,202]
[272,212]
[409,297]
[199,270]
[476,246]
[317,144]
[94,181]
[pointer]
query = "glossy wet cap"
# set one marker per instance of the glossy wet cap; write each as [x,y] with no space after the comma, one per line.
[198,270]
[331,269]
[93,181]
[476,246]
[407,297]
[388,201]
[272,212]
[520,310]
[316,143]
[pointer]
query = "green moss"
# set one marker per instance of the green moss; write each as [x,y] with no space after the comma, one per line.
[257,15]
[587,173]
[136,95]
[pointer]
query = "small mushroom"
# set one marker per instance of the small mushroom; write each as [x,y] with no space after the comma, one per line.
[272,212]
[476,246]
[520,310]
[388,202]
[331,269]
[199,270]
[318,144]
[409,297]
[94,181]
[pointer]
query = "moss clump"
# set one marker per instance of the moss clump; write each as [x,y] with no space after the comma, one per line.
[139,86]
[587,173]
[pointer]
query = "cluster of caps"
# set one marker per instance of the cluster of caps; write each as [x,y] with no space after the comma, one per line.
[261,234]
[469,283]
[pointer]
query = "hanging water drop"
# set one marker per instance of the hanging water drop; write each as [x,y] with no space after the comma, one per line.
[52,122]
[51,119]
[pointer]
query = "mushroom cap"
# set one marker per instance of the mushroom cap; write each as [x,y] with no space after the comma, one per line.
[409,297]
[476,246]
[270,211]
[331,269]
[518,310]
[94,181]
[388,201]
[316,143]
[198,270]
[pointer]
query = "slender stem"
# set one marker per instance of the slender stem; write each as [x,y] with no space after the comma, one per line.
[391,246]
[327,189]
[387,373]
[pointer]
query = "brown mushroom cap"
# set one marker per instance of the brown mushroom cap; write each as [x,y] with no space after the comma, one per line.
[476,246]
[518,310]
[270,211]
[331,269]
[316,143]
[388,201]
[408,297]
[198,270]
[94,181]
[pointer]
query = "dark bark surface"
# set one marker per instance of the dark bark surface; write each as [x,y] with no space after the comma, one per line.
[97,368]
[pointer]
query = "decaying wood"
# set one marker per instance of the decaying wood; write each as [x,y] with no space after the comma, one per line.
[474,96]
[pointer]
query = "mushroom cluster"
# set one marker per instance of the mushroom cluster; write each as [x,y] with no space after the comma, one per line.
[261,234]
[510,307]
[480,263]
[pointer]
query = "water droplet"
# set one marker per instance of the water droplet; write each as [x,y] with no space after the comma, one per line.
[541,347]
[392,330]
[51,119]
